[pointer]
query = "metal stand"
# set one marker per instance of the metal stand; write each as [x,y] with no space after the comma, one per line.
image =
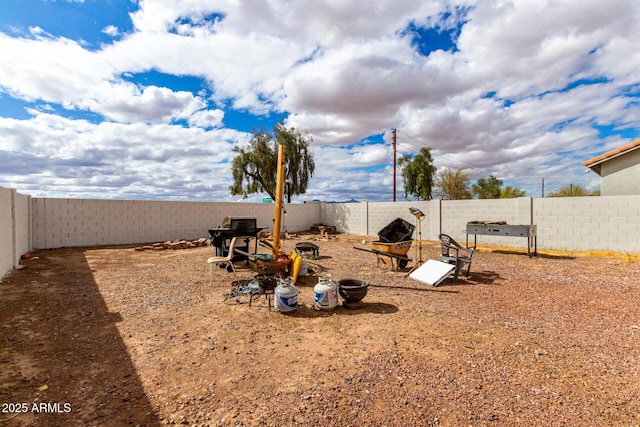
[266,294]
[501,228]
[419,215]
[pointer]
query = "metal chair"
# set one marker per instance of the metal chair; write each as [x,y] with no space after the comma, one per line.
[222,260]
[456,254]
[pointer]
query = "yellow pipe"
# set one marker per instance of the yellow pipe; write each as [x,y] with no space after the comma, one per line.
[278,210]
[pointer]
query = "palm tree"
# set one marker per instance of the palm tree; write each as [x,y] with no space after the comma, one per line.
[509,192]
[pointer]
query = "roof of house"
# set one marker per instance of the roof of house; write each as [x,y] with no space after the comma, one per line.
[595,163]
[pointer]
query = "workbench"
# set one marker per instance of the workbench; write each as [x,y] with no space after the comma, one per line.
[499,228]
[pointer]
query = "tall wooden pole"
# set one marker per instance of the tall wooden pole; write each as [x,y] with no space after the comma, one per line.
[277,218]
[395,151]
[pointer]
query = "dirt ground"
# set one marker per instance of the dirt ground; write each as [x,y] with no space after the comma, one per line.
[113,336]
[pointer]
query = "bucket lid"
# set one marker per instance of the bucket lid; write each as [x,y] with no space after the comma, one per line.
[264,257]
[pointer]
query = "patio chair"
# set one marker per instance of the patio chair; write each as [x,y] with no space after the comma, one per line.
[456,254]
[222,260]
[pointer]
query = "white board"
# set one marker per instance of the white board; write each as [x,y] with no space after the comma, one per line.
[432,272]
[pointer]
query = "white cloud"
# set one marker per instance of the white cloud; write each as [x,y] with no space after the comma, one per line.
[128,104]
[111,30]
[76,156]
[62,71]
[342,70]
[50,69]
[206,118]
[531,46]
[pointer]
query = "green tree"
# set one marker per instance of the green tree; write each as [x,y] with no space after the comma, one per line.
[487,188]
[573,190]
[255,168]
[453,185]
[509,192]
[418,172]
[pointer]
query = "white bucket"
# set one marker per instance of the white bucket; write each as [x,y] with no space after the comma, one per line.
[304,267]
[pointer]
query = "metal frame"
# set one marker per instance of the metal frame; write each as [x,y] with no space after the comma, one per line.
[489,229]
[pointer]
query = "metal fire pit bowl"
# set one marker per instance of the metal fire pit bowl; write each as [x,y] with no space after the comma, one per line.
[352,291]
[266,283]
[266,286]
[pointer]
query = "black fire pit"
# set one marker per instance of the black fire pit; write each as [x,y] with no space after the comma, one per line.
[352,291]
[266,283]
[266,286]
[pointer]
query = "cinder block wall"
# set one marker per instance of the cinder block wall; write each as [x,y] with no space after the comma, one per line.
[571,223]
[84,222]
[298,217]
[382,213]
[448,217]
[6,231]
[589,223]
[347,217]
[457,213]
[368,218]
[15,230]
[22,227]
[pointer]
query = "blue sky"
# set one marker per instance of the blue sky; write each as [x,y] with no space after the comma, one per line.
[146,99]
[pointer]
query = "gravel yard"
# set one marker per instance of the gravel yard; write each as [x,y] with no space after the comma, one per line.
[112,336]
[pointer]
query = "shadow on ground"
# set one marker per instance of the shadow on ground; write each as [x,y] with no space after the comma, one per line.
[539,255]
[363,307]
[61,352]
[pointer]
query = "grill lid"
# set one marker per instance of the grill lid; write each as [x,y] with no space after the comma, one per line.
[238,223]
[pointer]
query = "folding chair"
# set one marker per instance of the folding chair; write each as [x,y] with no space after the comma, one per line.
[222,260]
[456,254]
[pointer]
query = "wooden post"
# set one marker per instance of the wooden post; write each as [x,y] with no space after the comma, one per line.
[278,209]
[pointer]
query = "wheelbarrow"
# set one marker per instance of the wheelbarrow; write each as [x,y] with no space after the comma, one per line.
[390,252]
[395,242]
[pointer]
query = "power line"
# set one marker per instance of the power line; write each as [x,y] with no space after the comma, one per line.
[415,139]
[425,145]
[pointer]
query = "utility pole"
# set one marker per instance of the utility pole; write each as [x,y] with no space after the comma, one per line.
[395,140]
[542,187]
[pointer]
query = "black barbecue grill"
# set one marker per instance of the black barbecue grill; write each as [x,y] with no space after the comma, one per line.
[242,227]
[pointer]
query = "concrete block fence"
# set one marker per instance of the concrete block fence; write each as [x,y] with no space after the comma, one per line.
[589,223]
[571,223]
[606,223]
[80,222]
[15,228]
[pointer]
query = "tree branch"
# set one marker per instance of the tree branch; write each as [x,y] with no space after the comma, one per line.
[257,177]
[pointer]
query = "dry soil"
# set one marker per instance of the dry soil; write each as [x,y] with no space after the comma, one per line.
[112,336]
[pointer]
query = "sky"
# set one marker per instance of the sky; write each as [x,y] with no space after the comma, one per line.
[146,99]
